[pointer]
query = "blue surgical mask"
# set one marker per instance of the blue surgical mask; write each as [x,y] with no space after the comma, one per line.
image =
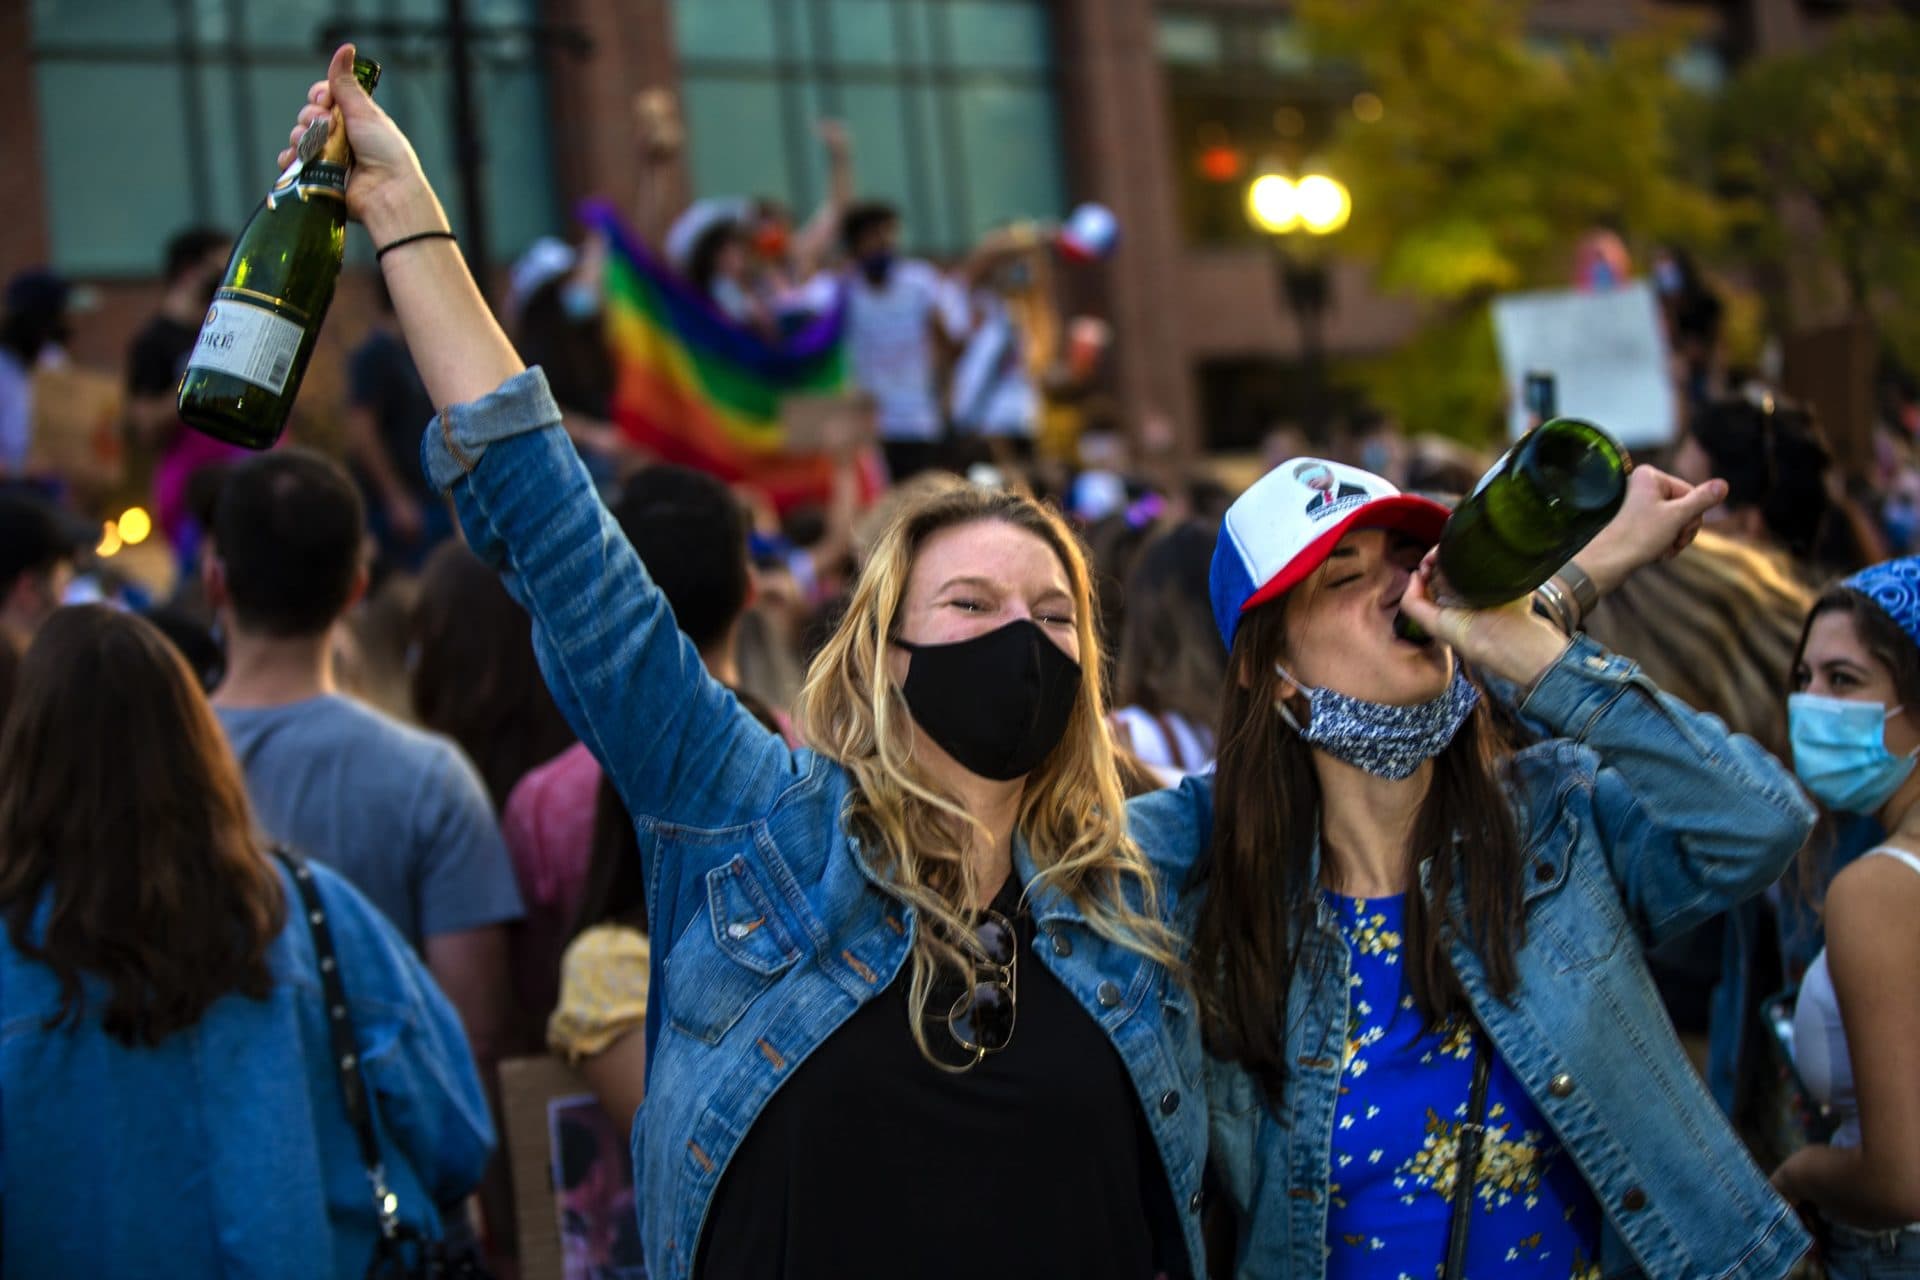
[1840,752]
[1385,741]
[579,301]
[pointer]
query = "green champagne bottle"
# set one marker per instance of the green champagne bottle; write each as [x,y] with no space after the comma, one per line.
[252,353]
[1541,503]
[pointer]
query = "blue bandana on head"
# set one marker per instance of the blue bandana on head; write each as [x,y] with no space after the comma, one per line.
[1894,585]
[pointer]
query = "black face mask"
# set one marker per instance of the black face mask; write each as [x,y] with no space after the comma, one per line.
[998,703]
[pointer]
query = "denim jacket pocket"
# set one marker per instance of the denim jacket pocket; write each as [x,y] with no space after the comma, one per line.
[1574,910]
[729,956]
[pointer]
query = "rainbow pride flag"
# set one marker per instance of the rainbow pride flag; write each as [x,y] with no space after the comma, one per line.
[697,389]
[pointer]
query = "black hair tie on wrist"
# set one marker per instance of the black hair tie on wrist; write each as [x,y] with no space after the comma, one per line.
[384,250]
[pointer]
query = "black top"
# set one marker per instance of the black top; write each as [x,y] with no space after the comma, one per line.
[159,356]
[381,378]
[870,1162]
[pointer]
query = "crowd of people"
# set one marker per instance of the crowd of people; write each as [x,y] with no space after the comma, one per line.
[1046,870]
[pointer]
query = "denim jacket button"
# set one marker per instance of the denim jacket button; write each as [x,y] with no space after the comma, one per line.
[1561,1086]
[1634,1200]
[1062,944]
[1194,1203]
[1169,1102]
[1596,663]
[1108,995]
[1543,871]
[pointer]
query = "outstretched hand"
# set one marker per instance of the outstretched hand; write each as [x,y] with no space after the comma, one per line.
[1661,516]
[387,190]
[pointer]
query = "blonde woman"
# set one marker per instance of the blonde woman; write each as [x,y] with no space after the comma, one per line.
[913,1010]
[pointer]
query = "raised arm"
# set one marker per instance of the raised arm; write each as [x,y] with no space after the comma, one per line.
[1697,818]
[814,244]
[676,743]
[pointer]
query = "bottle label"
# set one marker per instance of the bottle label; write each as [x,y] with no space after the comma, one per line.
[306,180]
[247,341]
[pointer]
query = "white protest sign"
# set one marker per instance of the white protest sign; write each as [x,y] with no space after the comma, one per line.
[1607,352]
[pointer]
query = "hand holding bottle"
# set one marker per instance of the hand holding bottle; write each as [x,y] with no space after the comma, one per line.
[1660,518]
[1509,640]
[387,190]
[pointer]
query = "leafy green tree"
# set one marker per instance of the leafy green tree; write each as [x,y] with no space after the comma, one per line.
[1495,154]
[1831,137]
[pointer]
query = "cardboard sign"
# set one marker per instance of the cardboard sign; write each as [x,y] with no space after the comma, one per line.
[833,422]
[76,428]
[1607,351]
[572,1177]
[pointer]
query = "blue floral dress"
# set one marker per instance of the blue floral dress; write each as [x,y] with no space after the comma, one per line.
[1403,1098]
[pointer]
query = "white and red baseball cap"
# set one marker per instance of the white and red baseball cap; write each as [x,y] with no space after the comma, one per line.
[1288,523]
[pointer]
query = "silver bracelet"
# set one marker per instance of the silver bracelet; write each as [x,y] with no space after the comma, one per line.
[1550,600]
[1579,588]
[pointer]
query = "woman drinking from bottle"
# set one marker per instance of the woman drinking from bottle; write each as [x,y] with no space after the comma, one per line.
[1420,948]
[1854,719]
[913,1009]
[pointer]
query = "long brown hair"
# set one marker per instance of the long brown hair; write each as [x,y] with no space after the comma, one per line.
[475,677]
[120,800]
[1073,812]
[1261,896]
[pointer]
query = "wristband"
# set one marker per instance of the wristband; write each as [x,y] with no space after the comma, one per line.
[406,240]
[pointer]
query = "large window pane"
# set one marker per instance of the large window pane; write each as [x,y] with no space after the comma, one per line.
[735,141]
[515,114]
[1011,155]
[877,118]
[999,36]
[863,33]
[948,102]
[117,185]
[1189,40]
[944,229]
[728,30]
[67,23]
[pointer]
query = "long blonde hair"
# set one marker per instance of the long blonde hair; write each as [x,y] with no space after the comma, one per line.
[1718,627]
[1073,812]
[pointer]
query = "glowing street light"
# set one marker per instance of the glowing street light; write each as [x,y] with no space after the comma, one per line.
[1273,204]
[1323,203]
[1282,207]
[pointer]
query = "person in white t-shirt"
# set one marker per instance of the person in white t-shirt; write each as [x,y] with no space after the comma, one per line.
[893,306]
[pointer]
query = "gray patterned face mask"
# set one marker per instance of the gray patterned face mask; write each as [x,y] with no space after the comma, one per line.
[1387,742]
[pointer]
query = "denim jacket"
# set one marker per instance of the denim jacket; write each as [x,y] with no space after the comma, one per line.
[1639,819]
[225,1150]
[769,927]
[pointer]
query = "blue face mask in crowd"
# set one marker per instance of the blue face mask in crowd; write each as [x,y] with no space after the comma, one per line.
[1385,741]
[579,301]
[1840,752]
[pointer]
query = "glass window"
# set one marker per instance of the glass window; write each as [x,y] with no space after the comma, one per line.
[1011,156]
[997,35]
[84,23]
[113,187]
[1188,39]
[745,114]
[863,33]
[725,30]
[950,104]
[1244,95]
[220,82]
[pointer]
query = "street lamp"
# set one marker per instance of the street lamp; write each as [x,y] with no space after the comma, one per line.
[1284,209]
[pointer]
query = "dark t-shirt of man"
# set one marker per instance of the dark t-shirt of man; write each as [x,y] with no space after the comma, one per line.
[381,378]
[159,356]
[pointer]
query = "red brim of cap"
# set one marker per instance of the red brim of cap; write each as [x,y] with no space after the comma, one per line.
[1421,517]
